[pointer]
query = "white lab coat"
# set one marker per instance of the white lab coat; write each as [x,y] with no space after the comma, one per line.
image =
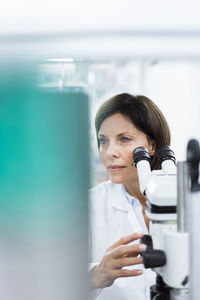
[112,217]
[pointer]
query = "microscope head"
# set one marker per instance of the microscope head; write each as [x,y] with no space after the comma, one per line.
[159,186]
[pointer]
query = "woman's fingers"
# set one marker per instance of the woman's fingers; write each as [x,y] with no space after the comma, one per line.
[128,250]
[126,240]
[127,261]
[118,256]
[126,273]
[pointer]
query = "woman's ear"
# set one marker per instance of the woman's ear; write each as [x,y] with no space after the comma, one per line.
[152,148]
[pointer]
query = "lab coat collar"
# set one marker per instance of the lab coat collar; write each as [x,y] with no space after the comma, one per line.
[118,198]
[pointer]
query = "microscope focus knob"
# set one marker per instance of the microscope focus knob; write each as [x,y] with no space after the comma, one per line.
[147,240]
[153,258]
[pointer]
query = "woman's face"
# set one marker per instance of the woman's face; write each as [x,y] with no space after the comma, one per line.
[118,137]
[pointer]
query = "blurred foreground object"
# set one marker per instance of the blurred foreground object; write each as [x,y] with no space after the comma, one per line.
[43,189]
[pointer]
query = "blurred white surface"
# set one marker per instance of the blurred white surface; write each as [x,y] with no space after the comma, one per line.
[100,29]
[53,16]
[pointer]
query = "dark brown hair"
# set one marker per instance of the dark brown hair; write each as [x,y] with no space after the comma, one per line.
[143,113]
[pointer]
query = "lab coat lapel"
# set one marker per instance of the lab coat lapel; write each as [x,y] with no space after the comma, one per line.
[120,202]
[118,198]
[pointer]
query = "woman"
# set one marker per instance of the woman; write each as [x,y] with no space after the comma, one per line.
[117,213]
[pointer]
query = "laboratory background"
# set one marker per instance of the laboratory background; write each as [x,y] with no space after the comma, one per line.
[59,61]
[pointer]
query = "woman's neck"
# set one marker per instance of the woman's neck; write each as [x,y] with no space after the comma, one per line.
[134,190]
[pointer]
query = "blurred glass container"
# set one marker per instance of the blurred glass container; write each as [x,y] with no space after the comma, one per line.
[44,179]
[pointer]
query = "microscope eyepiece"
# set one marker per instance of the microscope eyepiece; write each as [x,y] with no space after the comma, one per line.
[165,153]
[141,153]
[141,160]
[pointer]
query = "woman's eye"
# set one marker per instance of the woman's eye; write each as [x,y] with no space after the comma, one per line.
[125,139]
[102,141]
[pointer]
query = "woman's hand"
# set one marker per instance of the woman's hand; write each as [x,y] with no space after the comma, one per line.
[119,255]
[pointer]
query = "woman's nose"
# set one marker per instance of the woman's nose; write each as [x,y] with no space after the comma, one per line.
[112,150]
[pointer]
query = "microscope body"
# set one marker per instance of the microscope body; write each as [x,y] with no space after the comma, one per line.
[161,192]
[168,255]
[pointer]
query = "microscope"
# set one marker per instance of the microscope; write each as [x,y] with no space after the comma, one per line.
[167,252]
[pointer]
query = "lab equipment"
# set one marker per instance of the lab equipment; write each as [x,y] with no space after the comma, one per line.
[168,244]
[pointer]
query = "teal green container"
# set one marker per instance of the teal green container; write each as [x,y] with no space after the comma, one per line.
[44,179]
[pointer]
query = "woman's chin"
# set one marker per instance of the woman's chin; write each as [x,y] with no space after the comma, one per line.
[116,179]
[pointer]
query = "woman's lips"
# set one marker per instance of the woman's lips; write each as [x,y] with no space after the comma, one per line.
[115,168]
